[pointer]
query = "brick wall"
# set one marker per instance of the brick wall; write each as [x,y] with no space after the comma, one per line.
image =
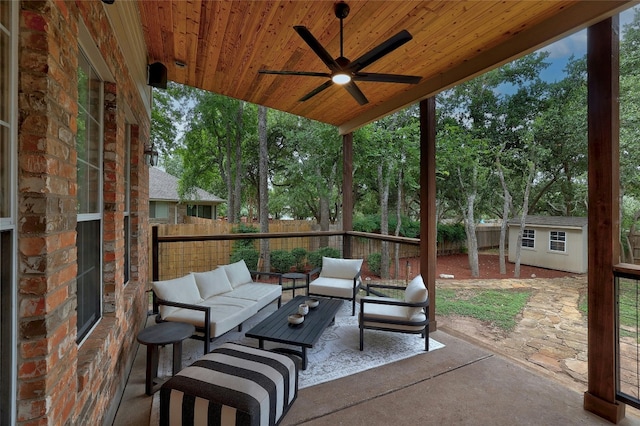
[60,381]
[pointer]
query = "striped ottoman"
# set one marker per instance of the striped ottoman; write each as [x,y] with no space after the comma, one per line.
[233,385]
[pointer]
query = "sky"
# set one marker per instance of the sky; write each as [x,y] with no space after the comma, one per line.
[575,44]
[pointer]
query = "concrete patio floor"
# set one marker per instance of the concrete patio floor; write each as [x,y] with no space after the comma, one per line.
[461,384]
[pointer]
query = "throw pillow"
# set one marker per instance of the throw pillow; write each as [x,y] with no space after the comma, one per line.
[212,283]
[416,292]
[183,290]
[238,273]
[340,268]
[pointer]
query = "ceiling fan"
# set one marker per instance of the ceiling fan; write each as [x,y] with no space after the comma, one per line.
[345,72]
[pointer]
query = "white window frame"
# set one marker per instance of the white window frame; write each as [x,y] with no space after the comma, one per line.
[127,203]
[89,49]
[554,237]
[96,216]
[528,238]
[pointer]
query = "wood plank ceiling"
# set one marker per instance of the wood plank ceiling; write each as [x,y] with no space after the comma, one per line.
[223,44]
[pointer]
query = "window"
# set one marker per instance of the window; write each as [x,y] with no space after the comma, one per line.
[127,204]
[8,194]
[558,241]
[199,211]
[89,170]
[158,210]
[529,238]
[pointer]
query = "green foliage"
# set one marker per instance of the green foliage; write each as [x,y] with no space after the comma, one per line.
[249,254]
[367,223]
[371,223]
[282,261]
[374,263]
[245,248]
[498,307]
[451,233]
[315,257]
[300,255]
[244,229]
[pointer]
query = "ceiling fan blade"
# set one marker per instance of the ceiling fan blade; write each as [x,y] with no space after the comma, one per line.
[387,78]
[317,47]
[381,50]
[356,93]
[305,73]
[316,91]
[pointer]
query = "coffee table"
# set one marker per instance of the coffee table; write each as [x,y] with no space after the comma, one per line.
[276,328]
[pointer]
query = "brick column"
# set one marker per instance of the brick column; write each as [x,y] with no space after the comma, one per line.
[47,214]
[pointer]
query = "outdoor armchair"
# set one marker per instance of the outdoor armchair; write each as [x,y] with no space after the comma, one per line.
[410,315]
[339,278]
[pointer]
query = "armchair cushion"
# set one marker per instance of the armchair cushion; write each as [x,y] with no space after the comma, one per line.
[182,290]
[416,292]
[340,268]
[378,311]
[238,273]
[332,287]
[212,283]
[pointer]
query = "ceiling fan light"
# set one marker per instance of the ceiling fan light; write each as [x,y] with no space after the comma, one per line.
[341,78]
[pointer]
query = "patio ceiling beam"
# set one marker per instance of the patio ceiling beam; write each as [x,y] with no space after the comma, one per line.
[571,20]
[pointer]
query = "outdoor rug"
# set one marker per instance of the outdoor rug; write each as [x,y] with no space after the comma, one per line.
[335,355]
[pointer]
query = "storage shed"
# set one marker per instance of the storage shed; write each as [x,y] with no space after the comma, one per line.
[552,242]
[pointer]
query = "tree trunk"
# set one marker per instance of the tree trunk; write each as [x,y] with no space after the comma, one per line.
[523,216]
[396,257]
[263,187]
[468,213]
[506,209]
[383,184]
[237,186]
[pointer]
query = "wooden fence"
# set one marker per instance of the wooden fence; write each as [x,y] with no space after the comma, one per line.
[178,258]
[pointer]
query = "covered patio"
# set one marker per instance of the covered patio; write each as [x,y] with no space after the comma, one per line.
[452,42]
[75,116]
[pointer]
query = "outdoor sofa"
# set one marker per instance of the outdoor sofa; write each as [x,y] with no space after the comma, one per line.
[215,301]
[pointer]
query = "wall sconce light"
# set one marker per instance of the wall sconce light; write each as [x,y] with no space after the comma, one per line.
[151,155]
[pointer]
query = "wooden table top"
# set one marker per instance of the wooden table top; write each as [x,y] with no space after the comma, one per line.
[165,333]
[276,328]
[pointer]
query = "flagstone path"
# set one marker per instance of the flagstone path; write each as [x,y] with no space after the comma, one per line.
[551,333]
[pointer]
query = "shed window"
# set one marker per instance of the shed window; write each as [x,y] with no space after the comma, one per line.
[528,238]
[558,241]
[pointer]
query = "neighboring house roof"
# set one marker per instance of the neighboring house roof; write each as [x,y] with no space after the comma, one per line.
[164,187]
[552,221]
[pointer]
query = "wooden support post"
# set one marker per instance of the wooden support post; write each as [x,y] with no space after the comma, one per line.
[428,248]
[347,192]
[604,227]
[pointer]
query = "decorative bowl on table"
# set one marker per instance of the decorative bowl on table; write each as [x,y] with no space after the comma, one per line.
[303,309]
[312,303]
[295,319]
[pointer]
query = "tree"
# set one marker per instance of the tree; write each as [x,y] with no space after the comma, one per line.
[630,135]
[263,188]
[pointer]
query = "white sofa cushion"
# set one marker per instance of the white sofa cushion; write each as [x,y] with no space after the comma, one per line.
[260,293]
[226,313]
[212,283]
[416,292]
[182,290]
[340,268]
[238,273]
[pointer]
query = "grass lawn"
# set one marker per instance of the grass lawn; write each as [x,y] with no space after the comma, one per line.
[498,307]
